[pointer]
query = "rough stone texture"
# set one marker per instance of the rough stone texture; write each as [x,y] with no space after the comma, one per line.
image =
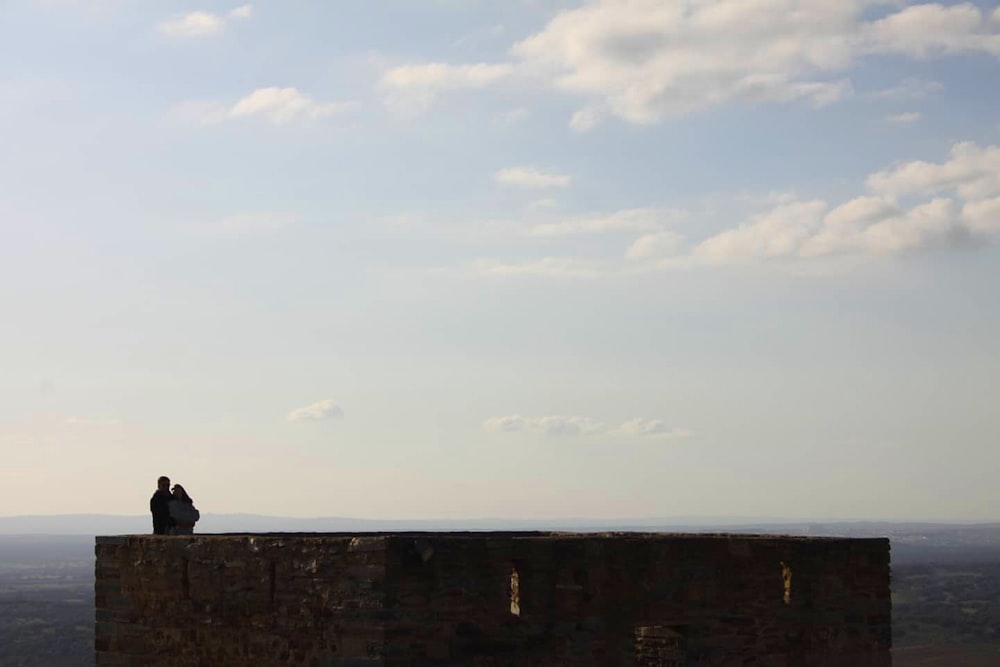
[492,599]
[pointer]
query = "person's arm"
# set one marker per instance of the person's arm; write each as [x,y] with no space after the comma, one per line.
[160,508]
[184,513]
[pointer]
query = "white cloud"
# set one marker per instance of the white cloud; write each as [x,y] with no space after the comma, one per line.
[566,425]
[529,177]
[911,207]
[513,116]
[778,233]
[576,425]
[647,60]
[904,118]
[242,12]
[928,30]
[866,225]
[972,170]
[202,23]
[841,226]
[628,220]
[877,224]
[283,105]
[587,118]
[508,424]
[549,425]
[411,89]
[279,106]
[657,245]
[321,411]
[934,224]
[442,76]
[650,428]
[194,24]
[983,217]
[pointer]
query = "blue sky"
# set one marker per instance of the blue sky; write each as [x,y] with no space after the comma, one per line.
[458,258]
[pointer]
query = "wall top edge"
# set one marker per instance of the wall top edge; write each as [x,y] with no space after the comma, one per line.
[493,535]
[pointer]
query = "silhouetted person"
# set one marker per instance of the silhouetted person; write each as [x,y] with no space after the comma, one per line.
[183,512]
[159,507]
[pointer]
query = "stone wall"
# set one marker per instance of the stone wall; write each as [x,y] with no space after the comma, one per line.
[492,599]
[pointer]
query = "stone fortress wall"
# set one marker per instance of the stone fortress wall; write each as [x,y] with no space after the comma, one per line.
[529,599]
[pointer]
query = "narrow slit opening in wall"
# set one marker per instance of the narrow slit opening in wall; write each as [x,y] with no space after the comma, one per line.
[786,583]
[515,591]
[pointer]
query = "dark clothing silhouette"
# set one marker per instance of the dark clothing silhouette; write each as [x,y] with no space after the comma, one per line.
[159,507]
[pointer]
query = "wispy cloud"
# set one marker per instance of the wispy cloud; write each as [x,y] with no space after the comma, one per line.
[904,118]
[651,428]
[513,116]
[411,89]
[202,23]
[910,207]
[278,106]
[529,177]
[628,220]
[910,88]
[320,411]
[242,12]
[577,425]
[587,118]
[656,245]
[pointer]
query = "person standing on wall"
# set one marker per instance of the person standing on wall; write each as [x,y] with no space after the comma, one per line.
[183,512]
[159,507]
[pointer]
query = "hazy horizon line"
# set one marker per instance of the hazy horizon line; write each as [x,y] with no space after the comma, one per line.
[713,519]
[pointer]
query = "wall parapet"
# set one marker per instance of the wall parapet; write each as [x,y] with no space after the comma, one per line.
[491,599]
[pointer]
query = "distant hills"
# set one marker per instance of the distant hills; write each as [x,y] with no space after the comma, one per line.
[923,541]
[111,524]
[108,524]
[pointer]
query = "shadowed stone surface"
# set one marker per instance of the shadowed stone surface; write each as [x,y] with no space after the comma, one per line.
[491,599]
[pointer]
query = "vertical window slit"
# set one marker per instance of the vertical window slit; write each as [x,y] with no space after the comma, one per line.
[515,592]
[786,581]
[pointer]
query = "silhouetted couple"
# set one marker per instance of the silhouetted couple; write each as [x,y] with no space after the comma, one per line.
[173,513]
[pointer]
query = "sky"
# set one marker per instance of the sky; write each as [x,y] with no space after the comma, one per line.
[520,258]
